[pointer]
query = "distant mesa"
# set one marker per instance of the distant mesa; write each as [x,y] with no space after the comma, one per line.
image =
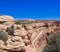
[6,18]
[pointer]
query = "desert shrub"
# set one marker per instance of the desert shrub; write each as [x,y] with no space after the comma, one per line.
[3,36]
[17,22]
[10,30]
[53,44]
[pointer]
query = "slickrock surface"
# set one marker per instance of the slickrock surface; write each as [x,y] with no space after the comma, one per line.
[30,37]
[6,18]
[21,32]
[14,43]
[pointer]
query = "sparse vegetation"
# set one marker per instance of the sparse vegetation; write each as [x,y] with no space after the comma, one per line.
[53,44]
[19,22]
[3,36]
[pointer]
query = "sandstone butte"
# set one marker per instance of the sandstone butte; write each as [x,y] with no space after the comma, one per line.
[29,35]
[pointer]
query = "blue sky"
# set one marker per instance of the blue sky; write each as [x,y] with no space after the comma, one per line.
[31,9]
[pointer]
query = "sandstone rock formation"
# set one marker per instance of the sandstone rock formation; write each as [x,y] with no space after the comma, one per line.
[6,18]
[21,32]
[54,26]
[30,37]
[39,41]
[13,44]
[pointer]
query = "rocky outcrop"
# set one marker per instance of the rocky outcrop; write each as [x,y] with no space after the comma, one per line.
[31,37]
[13,44]
[20,32]
[54,26]
[6,18]
[6,21]
[25,37]
[39,40]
